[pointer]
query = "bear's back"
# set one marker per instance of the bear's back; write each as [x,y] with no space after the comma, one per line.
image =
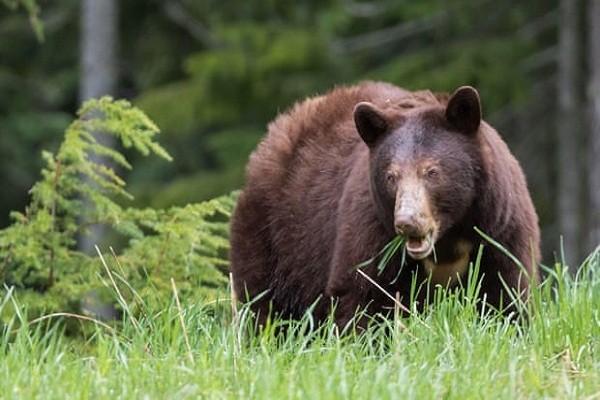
[323,123]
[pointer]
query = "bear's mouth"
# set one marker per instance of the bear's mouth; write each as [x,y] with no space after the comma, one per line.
[419,247]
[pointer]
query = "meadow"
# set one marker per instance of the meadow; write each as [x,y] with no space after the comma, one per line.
[208,351]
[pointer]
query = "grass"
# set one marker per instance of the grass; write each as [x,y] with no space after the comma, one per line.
[200,351]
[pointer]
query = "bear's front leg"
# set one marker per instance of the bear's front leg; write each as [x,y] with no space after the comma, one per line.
[348,291]
[359,236]
[346,296]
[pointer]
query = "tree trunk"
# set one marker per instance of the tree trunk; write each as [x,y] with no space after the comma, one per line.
[98,63]
[98,48]
[594,138]
[569,132]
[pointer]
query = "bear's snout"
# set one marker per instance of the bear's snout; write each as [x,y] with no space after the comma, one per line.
[412,217]
[410,224]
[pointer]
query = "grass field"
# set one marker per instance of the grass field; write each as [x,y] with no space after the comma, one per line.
[200,351]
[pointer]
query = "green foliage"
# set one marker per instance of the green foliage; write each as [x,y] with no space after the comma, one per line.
[34,14]
[480,62]
[185,243]
[38,86]
[37,252]
[259,69]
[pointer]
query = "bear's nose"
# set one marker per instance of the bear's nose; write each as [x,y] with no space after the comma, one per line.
[409,225]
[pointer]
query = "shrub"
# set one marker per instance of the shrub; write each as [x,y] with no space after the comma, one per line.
[80,187]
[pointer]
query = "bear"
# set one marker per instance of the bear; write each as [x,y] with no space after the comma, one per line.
[340,175]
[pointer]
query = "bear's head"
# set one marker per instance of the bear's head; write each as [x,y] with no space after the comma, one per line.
[425,165]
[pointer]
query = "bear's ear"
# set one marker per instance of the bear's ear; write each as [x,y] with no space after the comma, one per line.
[370,123]
[464,110]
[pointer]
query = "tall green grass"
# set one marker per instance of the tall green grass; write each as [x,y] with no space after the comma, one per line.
[203,351]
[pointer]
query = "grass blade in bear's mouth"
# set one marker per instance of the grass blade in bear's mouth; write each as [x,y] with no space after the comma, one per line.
[386,254]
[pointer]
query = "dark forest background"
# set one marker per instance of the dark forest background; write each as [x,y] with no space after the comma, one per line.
[212,74]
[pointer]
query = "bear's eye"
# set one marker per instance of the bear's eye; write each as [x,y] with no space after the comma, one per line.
[432,173]
[390,178]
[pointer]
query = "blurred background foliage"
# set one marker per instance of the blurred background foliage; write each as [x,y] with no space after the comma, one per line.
[212,74]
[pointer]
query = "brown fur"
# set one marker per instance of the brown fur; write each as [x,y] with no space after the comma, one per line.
[311,211]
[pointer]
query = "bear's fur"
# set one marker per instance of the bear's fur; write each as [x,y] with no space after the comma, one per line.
[340,175]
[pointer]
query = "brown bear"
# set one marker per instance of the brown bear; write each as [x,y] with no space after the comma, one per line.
[341,175]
